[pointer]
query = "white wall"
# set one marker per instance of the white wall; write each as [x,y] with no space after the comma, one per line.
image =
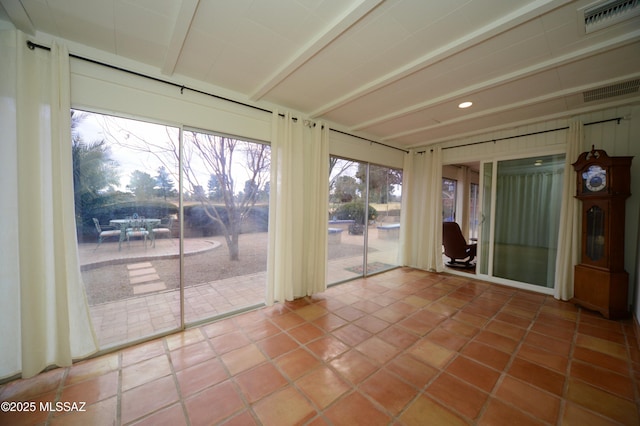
[102,89]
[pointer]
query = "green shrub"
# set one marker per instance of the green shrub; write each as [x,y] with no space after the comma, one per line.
[354,211]
[197,219]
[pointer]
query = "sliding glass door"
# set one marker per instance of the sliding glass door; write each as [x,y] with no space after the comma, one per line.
[521,209]
[364,219]
[126,179]
[226,216]
[172,224]
[385,197]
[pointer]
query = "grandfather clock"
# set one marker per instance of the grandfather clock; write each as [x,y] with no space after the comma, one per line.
[600,281]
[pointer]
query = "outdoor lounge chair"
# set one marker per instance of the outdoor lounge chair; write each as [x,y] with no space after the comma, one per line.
[456,248]
[105,231]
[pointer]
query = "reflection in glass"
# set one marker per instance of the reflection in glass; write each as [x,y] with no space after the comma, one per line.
[595,233]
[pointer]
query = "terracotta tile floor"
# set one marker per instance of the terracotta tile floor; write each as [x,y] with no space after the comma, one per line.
[404,347]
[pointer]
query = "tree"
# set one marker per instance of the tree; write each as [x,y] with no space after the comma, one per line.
[251,191]
[164,184]
[142,185]
[215,189]
[94,172]
[382,181]
[217,154]
[337,167]
[346,189]
[198,192]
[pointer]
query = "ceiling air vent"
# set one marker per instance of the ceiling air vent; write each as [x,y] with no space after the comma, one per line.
[618,89]
[609,13]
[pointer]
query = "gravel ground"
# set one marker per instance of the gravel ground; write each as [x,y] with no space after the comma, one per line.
[109,283]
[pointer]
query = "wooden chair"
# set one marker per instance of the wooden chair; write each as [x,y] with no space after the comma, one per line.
[456,248]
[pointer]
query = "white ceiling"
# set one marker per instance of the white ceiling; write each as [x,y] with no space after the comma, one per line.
[390,70]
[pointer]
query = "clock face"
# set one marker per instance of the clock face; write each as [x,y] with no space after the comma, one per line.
[595,178]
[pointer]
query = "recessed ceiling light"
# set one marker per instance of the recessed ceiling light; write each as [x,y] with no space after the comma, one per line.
[538,163]
[466,104]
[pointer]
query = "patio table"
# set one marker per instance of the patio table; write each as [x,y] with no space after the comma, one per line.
[147,221]
[123,224]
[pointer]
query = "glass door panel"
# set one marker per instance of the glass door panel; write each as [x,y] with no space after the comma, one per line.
[126,205]
[522,200]
[362,240]
[226,211]
[383,236]
[347,223]
[473,211]
[449,199]
[486,180]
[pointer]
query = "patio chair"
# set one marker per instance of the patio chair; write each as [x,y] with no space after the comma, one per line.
[162,229]
[105,231]
[456,248]
[137,229]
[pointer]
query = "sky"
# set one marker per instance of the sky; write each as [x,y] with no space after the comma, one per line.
[130,142]
[124,137]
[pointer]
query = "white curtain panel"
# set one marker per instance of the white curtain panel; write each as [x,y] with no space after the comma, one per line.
[421,229]
[44,316]
[570,221]
[316,210]
[298,209]
[531,198]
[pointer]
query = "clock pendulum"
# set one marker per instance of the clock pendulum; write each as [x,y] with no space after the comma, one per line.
[600,281]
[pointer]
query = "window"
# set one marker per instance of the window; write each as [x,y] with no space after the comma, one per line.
[449,197]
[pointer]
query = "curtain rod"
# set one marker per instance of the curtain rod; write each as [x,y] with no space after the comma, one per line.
[369,140]
[618,119]
[31,45]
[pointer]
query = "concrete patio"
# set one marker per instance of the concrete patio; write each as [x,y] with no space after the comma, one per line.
[156,310]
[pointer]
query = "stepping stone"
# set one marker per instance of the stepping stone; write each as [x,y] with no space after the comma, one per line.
[148,288]
[139,265]
[138,272]
[144,279]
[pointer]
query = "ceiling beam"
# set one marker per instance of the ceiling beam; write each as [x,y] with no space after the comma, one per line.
[18,16]
[316,45]
[179,35]
[469,91]
[515,105]
[563,115]
[526,13]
